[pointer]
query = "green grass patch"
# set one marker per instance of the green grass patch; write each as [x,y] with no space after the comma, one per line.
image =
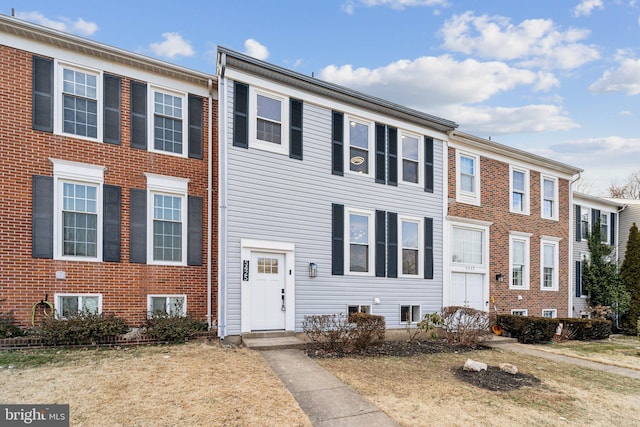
[32,358]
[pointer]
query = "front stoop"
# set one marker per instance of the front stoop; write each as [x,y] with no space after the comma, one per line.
[278,340]
[495,340]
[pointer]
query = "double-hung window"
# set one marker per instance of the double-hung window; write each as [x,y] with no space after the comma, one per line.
[167,225]
[519,260]
[168,122]
[269,124]
[519,191]
[585,228]
[411,232]
[359,137]
[360,250]
[80,92]
[549,190]
[604,228]
[67,305]
[77,210]
[550,313]
[468,178]
[549,275]
[172,305]
[410,158]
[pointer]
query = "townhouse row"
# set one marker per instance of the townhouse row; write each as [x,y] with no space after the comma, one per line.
[256,196]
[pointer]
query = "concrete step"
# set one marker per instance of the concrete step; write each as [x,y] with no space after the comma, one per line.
[269,342]
[268,334]
[493,340]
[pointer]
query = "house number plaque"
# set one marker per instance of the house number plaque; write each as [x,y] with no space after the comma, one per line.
[245,270]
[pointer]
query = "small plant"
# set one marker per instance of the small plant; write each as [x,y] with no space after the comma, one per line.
[173,327]
[83,328]
[368,330]
[427,326]
[8,326]
[464,325]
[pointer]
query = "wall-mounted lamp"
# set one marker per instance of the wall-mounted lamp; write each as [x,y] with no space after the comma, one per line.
[313,269]
[499,277]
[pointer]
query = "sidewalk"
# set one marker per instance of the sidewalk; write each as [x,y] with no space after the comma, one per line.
[326,400]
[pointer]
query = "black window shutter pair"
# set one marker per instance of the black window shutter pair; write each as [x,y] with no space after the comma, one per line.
[138,92]
[241,121]
[42,88]
[42,219]
[578,221]
[138,228]
[578,278]
[386,154]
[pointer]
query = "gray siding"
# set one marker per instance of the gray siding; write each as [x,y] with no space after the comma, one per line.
[274,197]
[628,216]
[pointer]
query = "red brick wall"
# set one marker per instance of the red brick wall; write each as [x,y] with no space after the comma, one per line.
[124,286]
[495,191]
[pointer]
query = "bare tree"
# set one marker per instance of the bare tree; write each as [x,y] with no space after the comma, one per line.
[583,186]
[628,190]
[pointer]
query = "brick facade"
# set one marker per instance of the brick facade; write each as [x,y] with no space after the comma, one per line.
[124,286]
[495,208]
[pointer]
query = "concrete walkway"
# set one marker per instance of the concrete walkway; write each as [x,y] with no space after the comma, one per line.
[525,349]
[326,400]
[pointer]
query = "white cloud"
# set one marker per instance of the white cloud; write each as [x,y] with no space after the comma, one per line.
[534,42]
[586,7]
[350,5]
[625,78]
[256,50]
[626,113]
[172,46]
[79,26]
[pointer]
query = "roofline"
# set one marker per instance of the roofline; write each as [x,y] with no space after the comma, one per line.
[82,45]
[516,153]
[596,199]
[624,202]
[311,84]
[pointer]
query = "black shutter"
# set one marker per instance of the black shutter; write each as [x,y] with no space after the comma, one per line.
[195,127]
[42,88]
[337,153]
[428,248]
[111,202]
[392,245]
[578,278]
[428,164]
[42,217]
[578,223]
[612,232]
[381,243]
[138,115]
[111,126]
[595,216]
[240,115]
[381,143]
[194,231]
[295,136]
[392,162]
[337,239]
[138,226]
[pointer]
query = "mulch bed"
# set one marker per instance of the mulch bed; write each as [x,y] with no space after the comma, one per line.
[496,380]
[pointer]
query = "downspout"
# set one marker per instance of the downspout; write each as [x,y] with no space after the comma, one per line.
[572,237]
[446,274]
[209,204]
[617,233]
[222,198]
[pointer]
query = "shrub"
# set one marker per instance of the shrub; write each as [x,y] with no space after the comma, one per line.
[429,322]
[587,329]
[346,334]
[173,328]
[8,327]
[368,330]
[464,325]
[83,328]
[529,329]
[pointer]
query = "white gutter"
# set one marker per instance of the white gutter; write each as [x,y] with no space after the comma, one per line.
[222,198]
[572,238]
[209,204]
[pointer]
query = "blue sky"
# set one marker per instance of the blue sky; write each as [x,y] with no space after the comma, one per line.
[559,78]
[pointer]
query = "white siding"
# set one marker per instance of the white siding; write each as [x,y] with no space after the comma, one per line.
[273,197]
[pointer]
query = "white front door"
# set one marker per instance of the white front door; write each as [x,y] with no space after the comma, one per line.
[267,291]
[467,290]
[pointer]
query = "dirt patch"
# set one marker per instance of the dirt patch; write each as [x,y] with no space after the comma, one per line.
[495,379]
[394,348]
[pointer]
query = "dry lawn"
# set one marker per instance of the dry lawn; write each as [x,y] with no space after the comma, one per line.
[186,385]
[422,390]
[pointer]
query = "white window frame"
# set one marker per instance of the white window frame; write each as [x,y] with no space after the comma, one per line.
[58,303]
[552,311]
[58,110]
[469,197]
[555,242]
[347,242]
[606,235]
[254,142]
[360,307]
[402,135]
[526,274]
[75,173]
[166,297]
[171,186]
[519,311]
[420,223]
[415,313]
[370,144]
[151,112]
[556,197]
[483,239]
[526,200]
[585,211]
